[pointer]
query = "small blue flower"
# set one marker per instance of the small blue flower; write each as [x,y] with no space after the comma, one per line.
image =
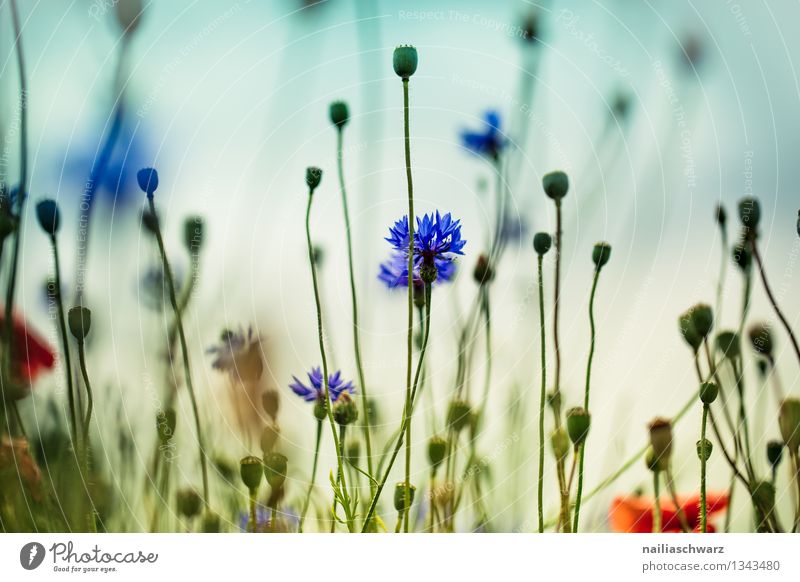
[262,519]
[315,390]
[148,180]
[489,142]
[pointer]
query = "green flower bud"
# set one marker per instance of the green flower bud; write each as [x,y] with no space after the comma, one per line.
[165,425]
[763,367]
[313,177]
[728,343]
[774,453]
[661,441]
[554,401]
[721,215]
[600,254]
[542,243]
[763,495]
[556,185]
[189,503]
[702,319]
[708,392]
[320,409]
[405,61]
[270,402]
[400,496]
[345,410]
[275,465]
[251,470]
[483,271]
[688,331]
[742,256]
[80,321]
[437,449]
[761,337]
[428,273]
[193,231]
[48,216]
[749,214]
[211,522]
[650,460]
[269,436]
[149,221]
[458,415]
[559,441]
[704,453]
[339,114]
[789,422]
[578,423]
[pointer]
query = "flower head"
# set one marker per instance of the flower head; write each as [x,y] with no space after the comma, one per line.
[315,391]
[239,354]
[148,180]
[635,514]
[487,142]
[394,272]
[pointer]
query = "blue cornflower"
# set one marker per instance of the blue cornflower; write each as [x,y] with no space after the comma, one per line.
[489,142]
[315,391]
[437,242]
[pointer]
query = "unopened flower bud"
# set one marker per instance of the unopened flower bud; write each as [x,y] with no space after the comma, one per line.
[600,254]
[702,319]
[742,256]
[688,331]
[80,322]
[661,441]
[761,337]
[650,460]
[437,449]
[345,410]
[789,422]
[708,392]
[339,113]
[774,453]
[483,271]
[763,495]
[721,215]
[189,503]
[405,60]
[458,415]
[320,409]
[728,343]
[428,273]
[313,177]
[193,231]
[578,423]
[251,471]
[275,469]
[554,401]
[704,449]
[128,14]
[400,496]
[211,522]
[48,215]
[749,214]
[542,243]
[556,185]
[559,441]
[148,180]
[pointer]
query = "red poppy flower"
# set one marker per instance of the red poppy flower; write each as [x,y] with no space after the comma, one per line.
[635,514]
[30,353]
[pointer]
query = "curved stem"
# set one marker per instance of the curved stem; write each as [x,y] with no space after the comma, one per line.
[320,332]
[406,417]
[354,298]
[542,396]
[184,349]
[74,414]
[89,394]
[313,477]
[703,463]
[674,496]
[586,399]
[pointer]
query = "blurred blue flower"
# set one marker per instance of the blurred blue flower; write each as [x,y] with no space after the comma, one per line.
[490,141]
[239,354]
[262,519]
[394,272]
[315,391]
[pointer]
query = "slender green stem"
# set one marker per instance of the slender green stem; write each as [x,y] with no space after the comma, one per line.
[674,496]
[89,394]
[556,306]
[579,492]
[354,298]
[406,417]
[187,371]
[722,271]
[656,503]
[74,414]
[252,523]
[313,477]
[410,341]
[703,463]
[321,334]
[542,395]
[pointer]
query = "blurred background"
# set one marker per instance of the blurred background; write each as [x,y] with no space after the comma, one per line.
[657,110]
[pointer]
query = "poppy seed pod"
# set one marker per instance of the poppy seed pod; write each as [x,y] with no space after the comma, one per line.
[80,321]
[165,425]
[688,331]
[774,453]
[400,496]
[702,319]
[405,60]
[789,422]
[269,436]
[188,502]
[578,423]
[483,271]
[763,495]
[211,522]
[708,392]
[437,448]
[458,415]
[559,441]
[600,254]
[556,185]
[542,243]
[339,114]
[761,338]
[275,469]
[193,231]
[48,215]
[749,213]
[661,441]
[728,344]
[704,449]
[148,180]
[313,177]
[251,471]
[345,410]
